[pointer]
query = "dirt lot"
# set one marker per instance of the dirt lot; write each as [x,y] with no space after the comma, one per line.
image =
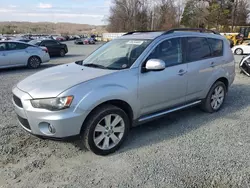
[185,149]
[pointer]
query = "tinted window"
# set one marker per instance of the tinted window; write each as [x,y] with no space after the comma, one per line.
[17,46]
[197,49]
[170,51]
[3,47]
[50,43]
[216,47]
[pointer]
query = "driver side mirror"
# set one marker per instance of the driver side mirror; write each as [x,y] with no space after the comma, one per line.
[154,65]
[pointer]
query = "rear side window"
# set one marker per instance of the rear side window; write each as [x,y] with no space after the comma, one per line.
[216,47]
[197,49]
[17,46]
[3,47]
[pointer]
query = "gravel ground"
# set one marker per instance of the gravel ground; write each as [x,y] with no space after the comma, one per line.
[185,149]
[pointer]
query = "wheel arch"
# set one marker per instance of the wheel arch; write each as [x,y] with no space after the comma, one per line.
[116,102]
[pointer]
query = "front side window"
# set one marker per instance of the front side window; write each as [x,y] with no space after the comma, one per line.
[3,47]
[197,49]
[216,46]
[117,54]
[169,51]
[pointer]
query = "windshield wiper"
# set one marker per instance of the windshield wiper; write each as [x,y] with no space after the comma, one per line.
[94,65]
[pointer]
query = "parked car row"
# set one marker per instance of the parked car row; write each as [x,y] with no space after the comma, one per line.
[85,41]
[31,54]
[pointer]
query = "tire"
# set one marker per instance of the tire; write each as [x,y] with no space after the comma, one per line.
[96,136]
[238,51]
[62,52]
[34,62]
[208,104]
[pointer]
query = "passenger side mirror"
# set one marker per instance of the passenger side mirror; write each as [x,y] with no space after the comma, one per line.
[154,65]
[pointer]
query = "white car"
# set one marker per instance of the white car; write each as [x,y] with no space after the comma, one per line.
[15,54]
[241,49]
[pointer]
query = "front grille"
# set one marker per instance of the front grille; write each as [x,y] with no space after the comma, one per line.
[17,101]
[24,122]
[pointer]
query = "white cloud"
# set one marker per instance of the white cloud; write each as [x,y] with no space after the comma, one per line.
[4,10]
[44,5]
[12,6]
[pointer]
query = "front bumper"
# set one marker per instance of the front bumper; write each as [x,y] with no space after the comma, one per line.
[65,123]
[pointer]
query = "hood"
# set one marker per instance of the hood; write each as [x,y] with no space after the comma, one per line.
[53,81]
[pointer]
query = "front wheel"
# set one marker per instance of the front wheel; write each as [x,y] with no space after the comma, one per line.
[105,130]
[215,98]
[62,53]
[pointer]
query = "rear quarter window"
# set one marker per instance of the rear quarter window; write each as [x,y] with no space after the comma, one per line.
[216,46]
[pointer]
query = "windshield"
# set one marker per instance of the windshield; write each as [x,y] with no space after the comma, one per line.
[35,42]
[117,54]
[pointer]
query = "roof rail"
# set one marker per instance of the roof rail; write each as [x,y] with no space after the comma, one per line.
[132,32]
[201,30]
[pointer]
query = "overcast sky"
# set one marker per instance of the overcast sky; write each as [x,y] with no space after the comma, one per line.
[76,11]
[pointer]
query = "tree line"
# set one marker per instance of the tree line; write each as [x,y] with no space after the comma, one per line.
[222,15]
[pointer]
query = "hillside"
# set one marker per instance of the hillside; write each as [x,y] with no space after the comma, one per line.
[48,28]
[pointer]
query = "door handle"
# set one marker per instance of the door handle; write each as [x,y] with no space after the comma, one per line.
[212,64]
[182,72]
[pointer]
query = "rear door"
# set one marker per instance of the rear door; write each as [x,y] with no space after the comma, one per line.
[17,53]
[201,65]
[4,60]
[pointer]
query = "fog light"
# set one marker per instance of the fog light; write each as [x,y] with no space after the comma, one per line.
[47,129]
[51,129]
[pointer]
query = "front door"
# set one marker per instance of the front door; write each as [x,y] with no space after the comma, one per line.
[4,60]
[167,88]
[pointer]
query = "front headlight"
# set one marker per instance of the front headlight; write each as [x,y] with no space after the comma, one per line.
[53,104]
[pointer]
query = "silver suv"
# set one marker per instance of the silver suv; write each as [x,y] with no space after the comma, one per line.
[128,81]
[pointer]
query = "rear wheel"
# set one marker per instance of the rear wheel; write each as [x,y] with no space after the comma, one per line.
[215,98]
[62,53]
[105,130]
[34,62]
[239,51]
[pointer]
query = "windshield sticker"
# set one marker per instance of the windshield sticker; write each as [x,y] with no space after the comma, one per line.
[135,42]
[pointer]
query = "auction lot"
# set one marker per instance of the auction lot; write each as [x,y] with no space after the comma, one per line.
[185,149]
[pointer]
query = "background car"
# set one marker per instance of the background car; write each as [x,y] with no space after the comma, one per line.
[79,41]
[14,54]
[54,47]
[241,49]
[89,41]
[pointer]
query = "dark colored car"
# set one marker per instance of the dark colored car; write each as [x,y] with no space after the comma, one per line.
[54,47]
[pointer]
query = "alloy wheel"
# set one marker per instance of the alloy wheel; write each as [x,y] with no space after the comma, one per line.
[34,62]
[217,97]
[109,131]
